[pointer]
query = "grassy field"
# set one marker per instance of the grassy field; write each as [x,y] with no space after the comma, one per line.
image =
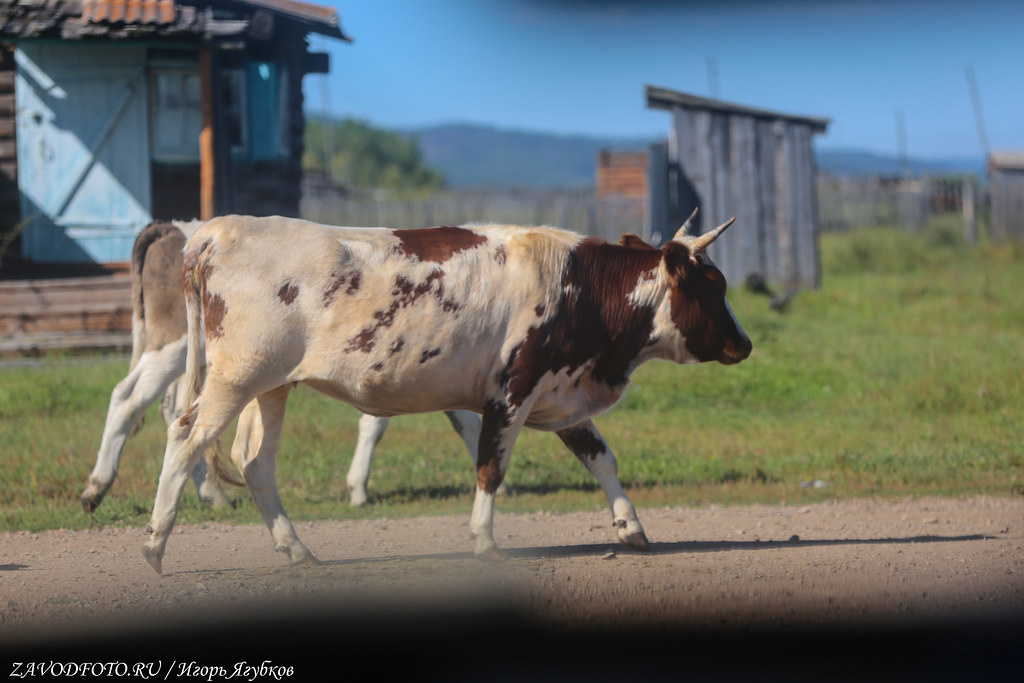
[902,376]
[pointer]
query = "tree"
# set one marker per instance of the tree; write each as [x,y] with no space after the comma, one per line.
[364,157]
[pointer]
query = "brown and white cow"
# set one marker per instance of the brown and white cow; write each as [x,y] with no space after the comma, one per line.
[533,327]
[158,363]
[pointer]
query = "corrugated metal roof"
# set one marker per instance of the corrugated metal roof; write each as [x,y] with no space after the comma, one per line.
[72,19]
[129,11]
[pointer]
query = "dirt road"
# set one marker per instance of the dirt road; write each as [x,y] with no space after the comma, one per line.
[801,586]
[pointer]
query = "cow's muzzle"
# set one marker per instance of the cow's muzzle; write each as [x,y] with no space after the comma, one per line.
[736,351]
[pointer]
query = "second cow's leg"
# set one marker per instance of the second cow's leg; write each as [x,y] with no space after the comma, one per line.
[371,429]
[467,426]
[254,452]
[150,377]
[589,446]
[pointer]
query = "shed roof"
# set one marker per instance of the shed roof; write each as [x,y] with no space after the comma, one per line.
[1006,159]
[663,98]
[126,19]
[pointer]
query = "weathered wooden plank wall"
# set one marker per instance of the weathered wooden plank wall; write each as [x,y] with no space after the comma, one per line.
[758,166]
[1006,177]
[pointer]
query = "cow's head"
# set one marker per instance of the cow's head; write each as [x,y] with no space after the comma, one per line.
[698,306]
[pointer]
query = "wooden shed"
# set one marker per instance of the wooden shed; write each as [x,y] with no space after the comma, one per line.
[1006,189]
[622,173]
[126,111]
[756,165]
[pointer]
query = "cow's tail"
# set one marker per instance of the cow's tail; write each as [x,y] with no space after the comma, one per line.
[195,355]
[196,257]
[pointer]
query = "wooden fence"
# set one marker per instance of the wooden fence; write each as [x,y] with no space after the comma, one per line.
[845,203]
[577,210]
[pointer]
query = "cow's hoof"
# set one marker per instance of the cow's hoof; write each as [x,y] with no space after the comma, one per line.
[308,560]
[491,555]
[357,498]
[215,499]
[298,555]
[92,495]
[155,558]
[90,502]
[636,540]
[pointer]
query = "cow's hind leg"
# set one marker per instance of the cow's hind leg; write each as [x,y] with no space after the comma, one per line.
[371,429]
[589,446]
[150,377]
[254,452]
[188,437]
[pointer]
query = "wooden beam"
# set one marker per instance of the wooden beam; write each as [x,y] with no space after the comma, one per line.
[207,156]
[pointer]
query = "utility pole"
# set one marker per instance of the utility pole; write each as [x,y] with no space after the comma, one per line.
[712,65]
[979,120]
[328,128]
[901,137]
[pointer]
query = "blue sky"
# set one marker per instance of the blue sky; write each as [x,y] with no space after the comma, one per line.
[580,66]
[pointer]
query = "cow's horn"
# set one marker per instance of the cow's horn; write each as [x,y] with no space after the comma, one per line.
[687,227]
[704,241]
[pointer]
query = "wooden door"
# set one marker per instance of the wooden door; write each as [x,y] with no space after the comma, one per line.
[83,151]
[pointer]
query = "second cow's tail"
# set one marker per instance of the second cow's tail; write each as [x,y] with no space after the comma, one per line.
[149,235]
[196,257]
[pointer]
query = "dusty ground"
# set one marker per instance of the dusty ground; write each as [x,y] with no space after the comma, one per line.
[934,578]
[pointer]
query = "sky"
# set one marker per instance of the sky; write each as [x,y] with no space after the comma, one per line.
[892,76]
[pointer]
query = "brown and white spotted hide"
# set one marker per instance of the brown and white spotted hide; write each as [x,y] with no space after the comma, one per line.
[158,363]
[526,325]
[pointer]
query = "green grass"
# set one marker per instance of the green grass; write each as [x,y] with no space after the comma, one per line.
[902,376]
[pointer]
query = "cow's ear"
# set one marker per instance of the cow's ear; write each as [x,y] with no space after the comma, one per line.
[633,242]
[678,258]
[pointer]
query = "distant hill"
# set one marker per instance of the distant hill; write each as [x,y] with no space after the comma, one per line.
[481,156]
[860,163]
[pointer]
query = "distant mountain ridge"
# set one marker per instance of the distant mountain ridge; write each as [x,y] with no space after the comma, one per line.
[479,156]
[860,163]
[472,155]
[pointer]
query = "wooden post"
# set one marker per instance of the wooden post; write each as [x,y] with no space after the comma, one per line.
[967,200]
[207,157]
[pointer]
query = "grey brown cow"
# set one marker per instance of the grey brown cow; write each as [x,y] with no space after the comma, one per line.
[158,363]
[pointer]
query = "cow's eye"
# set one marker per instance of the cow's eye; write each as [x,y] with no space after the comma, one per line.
[715,277]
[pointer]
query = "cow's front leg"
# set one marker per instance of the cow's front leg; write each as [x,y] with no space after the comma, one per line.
[498,431]
[254,452]
[589,446]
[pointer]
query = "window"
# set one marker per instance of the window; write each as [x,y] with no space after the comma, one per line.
[232,83]
[176,115]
